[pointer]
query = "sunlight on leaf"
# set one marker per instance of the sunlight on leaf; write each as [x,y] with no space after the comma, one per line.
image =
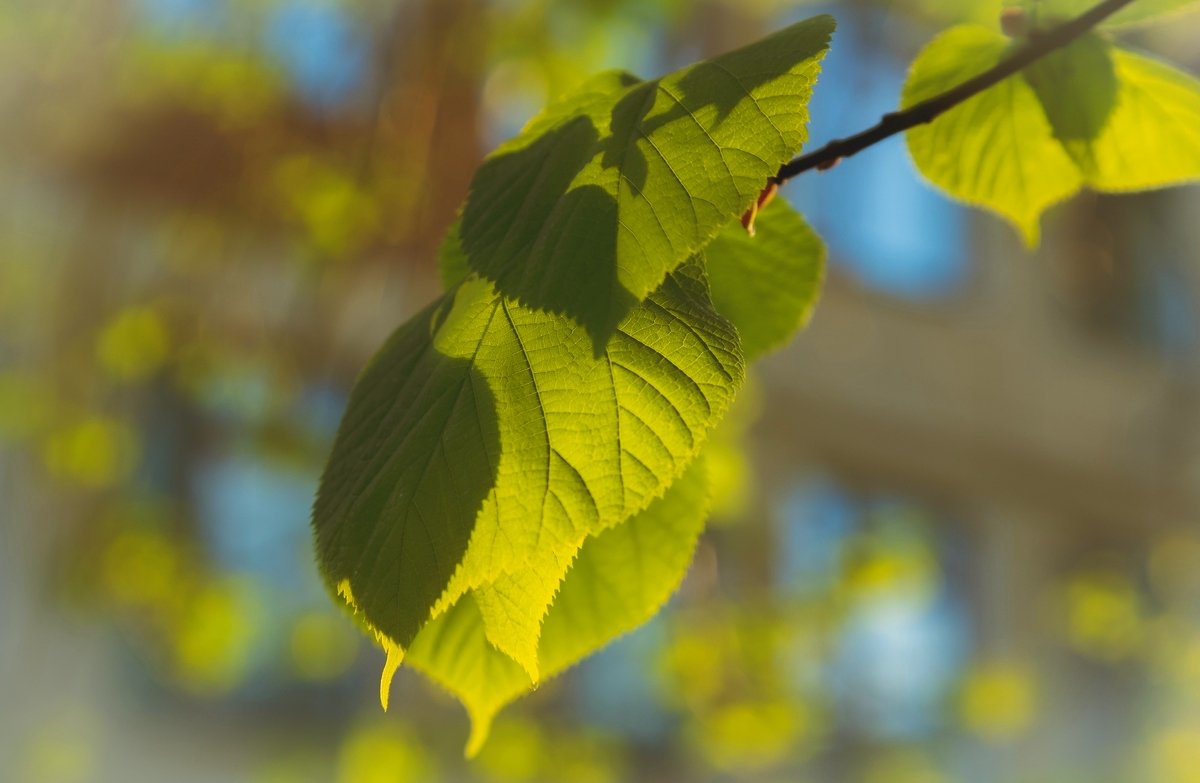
[997,149]
[459,468]
[1090,114]
[619,580]
[611,188]
[766,284]
[1153,136]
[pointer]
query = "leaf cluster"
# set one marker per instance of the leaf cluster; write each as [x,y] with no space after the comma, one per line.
[520,475]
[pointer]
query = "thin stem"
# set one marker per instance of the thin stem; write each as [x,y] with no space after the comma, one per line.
[1038,46]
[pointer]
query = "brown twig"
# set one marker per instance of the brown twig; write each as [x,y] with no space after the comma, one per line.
[1038,45]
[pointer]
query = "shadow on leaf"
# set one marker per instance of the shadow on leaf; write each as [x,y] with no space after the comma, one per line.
[412,463]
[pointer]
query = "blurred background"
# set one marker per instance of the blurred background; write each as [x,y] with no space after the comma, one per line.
[961,543]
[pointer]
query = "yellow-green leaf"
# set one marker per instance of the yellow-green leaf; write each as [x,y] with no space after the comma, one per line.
[586,211]
[996,150]
[766,284]
[619,580]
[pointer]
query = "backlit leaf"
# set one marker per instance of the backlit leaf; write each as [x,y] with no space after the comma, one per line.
[486,442]
[996,150]
[767,284]
[1152,138]
[1048,12]
[587,210]
[619,580]
[1089,114]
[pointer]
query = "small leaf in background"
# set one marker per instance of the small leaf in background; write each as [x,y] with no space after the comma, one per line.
[619,580]
[1048,12]
[996,150]
[409,470]
[587,210]
[1077,87]
[1090,114]
[766,284]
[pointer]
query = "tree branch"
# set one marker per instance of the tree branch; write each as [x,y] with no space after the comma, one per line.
[1038,46]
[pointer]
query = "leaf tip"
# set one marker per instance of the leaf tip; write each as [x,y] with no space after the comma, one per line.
[481,727]
[1031,232]
[395,656]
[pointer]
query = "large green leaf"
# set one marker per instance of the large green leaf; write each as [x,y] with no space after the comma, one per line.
[486,441]
[587,210]
[997,149]
[1090,114]
[619,580]
[767,284]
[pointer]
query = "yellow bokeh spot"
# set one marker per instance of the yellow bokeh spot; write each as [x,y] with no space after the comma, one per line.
[323,646]
[694,666]
[140,568]
[216,635]
[382,753]
[1175,756]
[730,479]
[585,759]
[998,701]
[514,753]
[907,766]
[752,735]
[58,758]
[1104,615]
[1175,567]
[339,216]
[879,571]
[25,405]
[133,345]
[96,452]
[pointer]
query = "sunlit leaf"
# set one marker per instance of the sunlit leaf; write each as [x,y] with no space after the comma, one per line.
[619,580]
[996,150]
[1152,138]
[485,442]
[606,192]
[1047,12]
[1089,114]
[767,284]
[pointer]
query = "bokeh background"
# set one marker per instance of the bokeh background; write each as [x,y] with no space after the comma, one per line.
[961,544]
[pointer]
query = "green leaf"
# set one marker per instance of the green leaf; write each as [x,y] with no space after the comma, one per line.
[486,442]
[606,192]
[619,580]
[996,150]
[767,284]
[1049,12]
[1077,87]
[1089,114]
[452,261]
